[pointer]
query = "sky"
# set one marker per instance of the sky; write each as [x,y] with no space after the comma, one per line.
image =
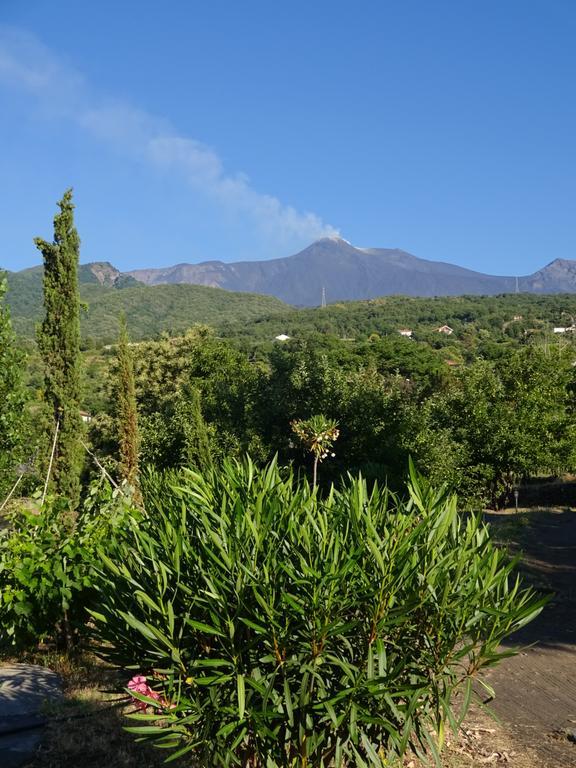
[193,131]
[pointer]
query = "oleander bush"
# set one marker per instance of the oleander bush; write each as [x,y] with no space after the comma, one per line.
[268,626]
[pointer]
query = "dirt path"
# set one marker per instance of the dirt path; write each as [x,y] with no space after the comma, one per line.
[536,690]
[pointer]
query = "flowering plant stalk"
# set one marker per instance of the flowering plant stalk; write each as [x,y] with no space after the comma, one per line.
[317,434]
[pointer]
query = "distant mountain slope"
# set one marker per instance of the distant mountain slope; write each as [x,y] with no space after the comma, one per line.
[557,277]
[349,273]
[150,310]
[25,287]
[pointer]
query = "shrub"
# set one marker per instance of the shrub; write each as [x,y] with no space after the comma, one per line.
[46,567]
[282,629]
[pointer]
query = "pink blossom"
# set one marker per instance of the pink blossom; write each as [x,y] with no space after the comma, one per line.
[139,685]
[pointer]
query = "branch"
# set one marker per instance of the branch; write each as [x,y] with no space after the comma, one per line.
[51,460]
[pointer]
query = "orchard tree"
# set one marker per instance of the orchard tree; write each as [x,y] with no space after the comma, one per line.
[497,423]
[59,344]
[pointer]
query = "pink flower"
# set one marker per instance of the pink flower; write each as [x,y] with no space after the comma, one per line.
[139,685]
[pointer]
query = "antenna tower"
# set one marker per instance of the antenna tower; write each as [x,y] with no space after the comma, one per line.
[323,305]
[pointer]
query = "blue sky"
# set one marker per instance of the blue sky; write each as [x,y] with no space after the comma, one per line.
[227,130]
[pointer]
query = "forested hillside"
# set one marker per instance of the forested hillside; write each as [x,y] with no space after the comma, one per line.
[151,310]
[507,317]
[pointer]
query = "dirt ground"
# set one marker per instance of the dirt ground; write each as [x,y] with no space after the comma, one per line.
[536,690]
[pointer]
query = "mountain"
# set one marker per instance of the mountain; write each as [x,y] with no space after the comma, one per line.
[343,273]
[103,273]
[557,277]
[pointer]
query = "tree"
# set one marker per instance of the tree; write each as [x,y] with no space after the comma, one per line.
[12,400]
[59,344]
[497,423]
[225,382]
[197,451]
[127,413]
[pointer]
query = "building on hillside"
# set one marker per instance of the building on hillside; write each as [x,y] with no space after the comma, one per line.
[568,329]
[281,337]
[86,417]
[446,329]
[405,332]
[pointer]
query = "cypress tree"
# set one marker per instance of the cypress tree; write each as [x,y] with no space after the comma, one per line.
[127,414]
[59,344]
[197,451]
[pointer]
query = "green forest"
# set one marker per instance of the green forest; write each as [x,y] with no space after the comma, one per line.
[279,541]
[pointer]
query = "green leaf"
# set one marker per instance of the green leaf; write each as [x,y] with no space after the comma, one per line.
[241,691]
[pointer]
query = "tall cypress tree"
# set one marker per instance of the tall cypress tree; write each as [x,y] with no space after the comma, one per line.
[59,344]
[127,413]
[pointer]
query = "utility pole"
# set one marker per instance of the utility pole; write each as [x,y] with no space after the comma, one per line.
[323,305]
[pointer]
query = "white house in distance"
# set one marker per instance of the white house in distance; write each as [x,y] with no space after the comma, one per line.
[446,329]
[281,337]
[405,332]
[569,329]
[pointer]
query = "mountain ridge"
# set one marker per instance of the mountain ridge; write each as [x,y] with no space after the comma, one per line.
[333,268]
[343,272]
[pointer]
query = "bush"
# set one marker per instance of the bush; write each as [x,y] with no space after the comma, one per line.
[46,567]
[276,628]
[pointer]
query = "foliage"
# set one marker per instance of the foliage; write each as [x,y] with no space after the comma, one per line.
[508,321]
[175,429]
[372,406]
[498,423]
[281,629]
[13,422]
[46,566]
[127,413]
[197,449]
[59,344]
